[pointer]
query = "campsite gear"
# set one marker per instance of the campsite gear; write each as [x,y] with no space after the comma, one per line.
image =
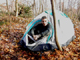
[65,32]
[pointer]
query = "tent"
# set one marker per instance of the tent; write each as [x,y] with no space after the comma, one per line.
[65,32]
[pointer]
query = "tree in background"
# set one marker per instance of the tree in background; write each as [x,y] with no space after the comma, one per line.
[16,5]
[34,8]
[12,5]
[38,6]
[60,5]
[7,5]
[78,9]
[63,6]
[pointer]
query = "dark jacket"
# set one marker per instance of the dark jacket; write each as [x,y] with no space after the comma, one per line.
[41,30]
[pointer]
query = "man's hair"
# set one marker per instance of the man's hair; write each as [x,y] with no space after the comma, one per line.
[44,17]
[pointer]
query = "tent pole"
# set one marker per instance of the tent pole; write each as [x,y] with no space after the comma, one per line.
[55,28]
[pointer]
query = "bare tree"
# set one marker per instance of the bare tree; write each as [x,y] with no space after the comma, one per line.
[40,6]
[60,5]
[78,7]
[45,5]
[12,5]
[56,4]
[7,5]
[72,8]
[55,28]
[16,5]
[63,6]
[34,9]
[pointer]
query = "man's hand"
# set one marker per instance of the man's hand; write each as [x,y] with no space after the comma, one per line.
[36,37]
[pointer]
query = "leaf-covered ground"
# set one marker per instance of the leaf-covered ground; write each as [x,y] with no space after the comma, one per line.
[11,32]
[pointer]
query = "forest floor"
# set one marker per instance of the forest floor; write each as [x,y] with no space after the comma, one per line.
[11,31]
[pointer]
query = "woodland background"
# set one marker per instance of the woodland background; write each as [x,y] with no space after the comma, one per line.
[15,15]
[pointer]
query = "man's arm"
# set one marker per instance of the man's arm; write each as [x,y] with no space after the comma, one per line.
[32,31]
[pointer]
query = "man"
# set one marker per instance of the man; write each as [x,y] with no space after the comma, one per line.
[41,30]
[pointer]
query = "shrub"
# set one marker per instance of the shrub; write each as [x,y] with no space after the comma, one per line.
[25,11]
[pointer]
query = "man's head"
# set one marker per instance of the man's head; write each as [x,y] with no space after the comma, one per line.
[44,20]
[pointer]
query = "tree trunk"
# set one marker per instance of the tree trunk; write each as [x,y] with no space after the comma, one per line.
[67,11]
[43,6]
[33,8]
[40,8]
[78,7]
[12,6]
[55,28]
[63,6]
[60,5]
[16,5]
[56,4]
[71,9]
[7,5]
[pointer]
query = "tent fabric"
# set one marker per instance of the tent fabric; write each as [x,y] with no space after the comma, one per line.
[65,32]
[65,27]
